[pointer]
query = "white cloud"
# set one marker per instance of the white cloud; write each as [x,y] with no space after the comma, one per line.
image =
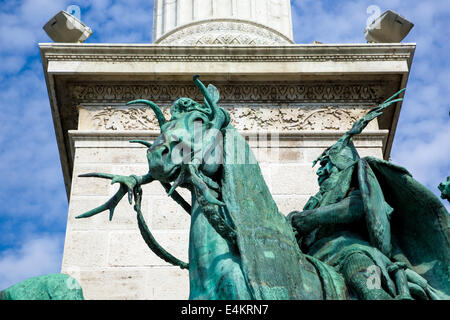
[32,193]
[425,157]
[422,138]
[37,256]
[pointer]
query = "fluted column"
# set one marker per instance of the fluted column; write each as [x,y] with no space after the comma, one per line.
[173,14]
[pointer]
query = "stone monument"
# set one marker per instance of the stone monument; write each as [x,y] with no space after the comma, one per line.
[290,101]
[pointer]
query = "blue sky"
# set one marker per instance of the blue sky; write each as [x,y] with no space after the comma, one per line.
[33,204]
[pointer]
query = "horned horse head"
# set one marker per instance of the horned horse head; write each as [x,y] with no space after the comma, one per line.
[188,150]
[187,153]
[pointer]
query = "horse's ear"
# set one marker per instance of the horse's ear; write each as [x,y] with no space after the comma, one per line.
[214,92]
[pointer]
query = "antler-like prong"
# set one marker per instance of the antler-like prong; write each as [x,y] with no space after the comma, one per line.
[126,186]
[396,95]
[178,181]
[109,205]
[97,175]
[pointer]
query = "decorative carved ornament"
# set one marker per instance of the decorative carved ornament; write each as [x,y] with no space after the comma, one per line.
[314,92]
[243,118]
[254,106]
[224,32]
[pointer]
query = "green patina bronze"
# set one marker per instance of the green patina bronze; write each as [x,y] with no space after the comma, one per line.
[242,247]
[48,287]
[372,219]
[444,187]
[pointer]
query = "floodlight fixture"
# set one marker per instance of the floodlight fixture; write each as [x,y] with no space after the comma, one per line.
[64,27]
[390,27]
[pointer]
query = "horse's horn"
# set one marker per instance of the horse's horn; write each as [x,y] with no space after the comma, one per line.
[211,96]
[154,107]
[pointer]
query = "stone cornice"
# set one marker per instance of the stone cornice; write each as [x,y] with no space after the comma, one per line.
[240,53]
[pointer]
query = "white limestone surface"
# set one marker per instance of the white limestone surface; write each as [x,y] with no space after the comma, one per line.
[222,21]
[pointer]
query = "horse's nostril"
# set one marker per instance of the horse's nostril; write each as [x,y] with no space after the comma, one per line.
[165,152]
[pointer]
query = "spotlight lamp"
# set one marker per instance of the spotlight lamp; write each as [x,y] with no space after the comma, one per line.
[64,27]
[390,27]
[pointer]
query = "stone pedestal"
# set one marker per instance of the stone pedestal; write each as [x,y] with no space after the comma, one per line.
[291,101]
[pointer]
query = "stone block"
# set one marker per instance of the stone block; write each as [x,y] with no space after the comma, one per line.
[294,155]
[111,155]
[90,186]
[293,179]
[167,283]
[266,170]
[311,154]
[129,169]
[107,284]
[85,249]
[267,155]
[166,214]
[287,204]
[128,249]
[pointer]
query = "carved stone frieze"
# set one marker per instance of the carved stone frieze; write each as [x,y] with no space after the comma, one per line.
[110,118]
[295,118]
[284,118]
[282,106]
[309,92]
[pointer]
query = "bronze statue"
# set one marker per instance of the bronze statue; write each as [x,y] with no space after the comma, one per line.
[242,247]
[444,187]
[48,287]
[371,218]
